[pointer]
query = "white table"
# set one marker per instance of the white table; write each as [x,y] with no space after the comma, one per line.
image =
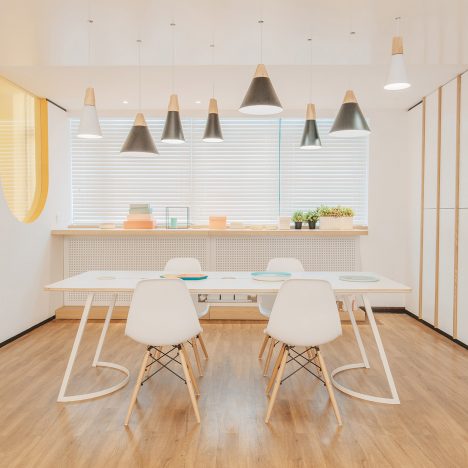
[226,282]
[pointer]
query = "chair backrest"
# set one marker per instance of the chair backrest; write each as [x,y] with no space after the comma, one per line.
[305,313]
[162,313]
[287,264]
[183,265]
[291,265]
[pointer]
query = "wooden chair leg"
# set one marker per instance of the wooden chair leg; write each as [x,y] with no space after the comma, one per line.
[189,383]
[329,386]
[268,359]
[275,369]
[136,389]
[279,376]
[197,356]
[202,344]
[190,369]
[309,354]
[262,349]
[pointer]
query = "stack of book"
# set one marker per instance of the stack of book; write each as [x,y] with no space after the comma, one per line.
[139,217]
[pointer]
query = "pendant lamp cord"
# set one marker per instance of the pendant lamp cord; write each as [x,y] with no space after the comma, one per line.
[310,69]
[260,22]
[398,20]
[90,24]
[139,41]
[173,57]
[212,45]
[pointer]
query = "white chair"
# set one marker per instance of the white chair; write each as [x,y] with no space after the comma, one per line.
[304,315]
[191,265]
[265,303]
[161,316]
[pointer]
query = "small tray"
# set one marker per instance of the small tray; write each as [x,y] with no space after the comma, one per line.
[270,275]
[185,276]
[359,278]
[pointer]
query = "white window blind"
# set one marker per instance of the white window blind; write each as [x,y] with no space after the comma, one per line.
[257,173]
[336,174]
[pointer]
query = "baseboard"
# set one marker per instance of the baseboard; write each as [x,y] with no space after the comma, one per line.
[25,332]
[440,332]
[216,313]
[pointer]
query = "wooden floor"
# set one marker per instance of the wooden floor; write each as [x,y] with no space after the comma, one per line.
[429,428]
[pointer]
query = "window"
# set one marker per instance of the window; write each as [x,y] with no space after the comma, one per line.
[23,151]
[257,173]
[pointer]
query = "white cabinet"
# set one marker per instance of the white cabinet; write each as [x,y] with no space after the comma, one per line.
[428,265]
[414,206]
[431,172]
[464,143]
[463,277]
[446,270]
[448,145]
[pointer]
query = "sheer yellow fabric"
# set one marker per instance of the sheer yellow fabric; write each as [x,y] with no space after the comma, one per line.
[23,151]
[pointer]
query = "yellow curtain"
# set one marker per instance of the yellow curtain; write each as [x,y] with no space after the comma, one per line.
[23,151]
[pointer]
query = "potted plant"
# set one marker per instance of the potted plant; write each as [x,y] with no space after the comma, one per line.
[335,217]
[298,218]
[311,217]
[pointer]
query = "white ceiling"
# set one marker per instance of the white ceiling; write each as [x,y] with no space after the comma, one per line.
[44,47]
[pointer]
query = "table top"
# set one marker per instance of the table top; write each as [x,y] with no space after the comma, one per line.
[222,282]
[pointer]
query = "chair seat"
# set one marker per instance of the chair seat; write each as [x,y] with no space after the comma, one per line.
[201,312]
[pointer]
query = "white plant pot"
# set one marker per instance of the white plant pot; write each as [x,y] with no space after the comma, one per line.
[329,223]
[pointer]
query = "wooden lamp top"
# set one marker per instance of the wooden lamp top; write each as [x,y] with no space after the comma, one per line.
[397,45]
[90,99]
[140,120]
[349,97]
[311,114]
[213,106]
[261,71]
[173,103]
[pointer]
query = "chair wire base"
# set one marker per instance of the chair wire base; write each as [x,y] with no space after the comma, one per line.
[170,360]
[306,361]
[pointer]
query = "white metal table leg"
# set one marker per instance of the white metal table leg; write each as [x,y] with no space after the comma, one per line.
[74,352]
[394,400]
[357,334]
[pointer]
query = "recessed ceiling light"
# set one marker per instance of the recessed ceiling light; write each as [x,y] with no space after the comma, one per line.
[197,102]
[124,102]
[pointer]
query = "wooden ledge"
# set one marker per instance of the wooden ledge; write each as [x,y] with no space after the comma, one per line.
[204,232]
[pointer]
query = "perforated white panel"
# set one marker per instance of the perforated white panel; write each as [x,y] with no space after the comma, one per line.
[126,253]
[215,254]
[316,254]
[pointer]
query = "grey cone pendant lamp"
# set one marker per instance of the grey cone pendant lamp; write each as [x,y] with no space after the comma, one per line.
[173,132]
[350,121]
[213,131]
[139,141]
[310,135]
[261,97]
[89,122]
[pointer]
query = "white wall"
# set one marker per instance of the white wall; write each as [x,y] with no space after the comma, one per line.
[29,257]
[384,250]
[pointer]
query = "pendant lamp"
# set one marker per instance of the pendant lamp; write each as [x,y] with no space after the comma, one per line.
[397,77]
[350,121]
[310,135]
[213,133]
[139,141]
[89,122]
[173,132]
[261,97]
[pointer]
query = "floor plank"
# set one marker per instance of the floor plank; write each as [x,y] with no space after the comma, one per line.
[429,428]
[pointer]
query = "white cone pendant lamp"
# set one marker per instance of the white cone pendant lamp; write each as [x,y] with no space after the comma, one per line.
[310,135]
[139,141]
[89,121]
[397,78]
[350,121]
[173,132]
[261,97]
[213,131]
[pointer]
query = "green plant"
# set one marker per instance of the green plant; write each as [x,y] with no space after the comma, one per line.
[311,215]
[335,211]
[298,217]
